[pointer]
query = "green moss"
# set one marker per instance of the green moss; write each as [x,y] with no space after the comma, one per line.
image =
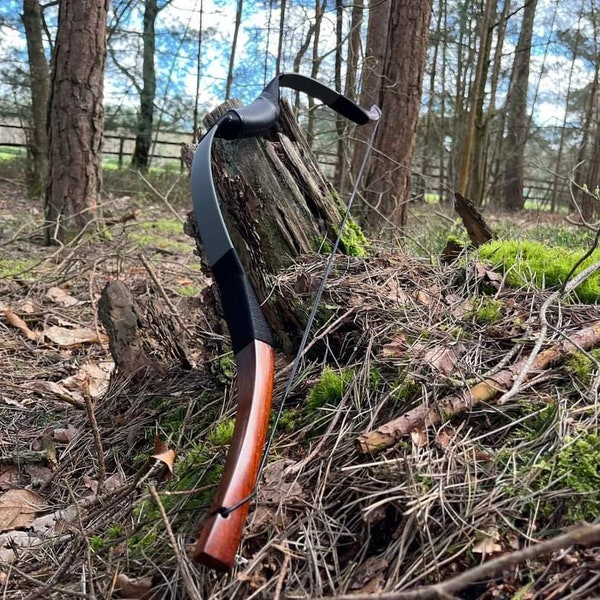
[576,468]
[187,290]
[330,389]
[526,262]
[226,368]
[222,434]
[353,240]
[581,365]
[97,543]
[290,420]
[405,388]
[487,311]
[161,242]
[12,268]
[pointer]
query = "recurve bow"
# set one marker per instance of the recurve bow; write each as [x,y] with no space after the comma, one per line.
[250,334]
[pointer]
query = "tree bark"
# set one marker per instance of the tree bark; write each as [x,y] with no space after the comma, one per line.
[517,122]
[476,95]
[40,93]
[143,139]
[76,119]
[277,205]
[393,78]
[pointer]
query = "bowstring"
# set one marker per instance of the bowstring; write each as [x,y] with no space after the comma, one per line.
[299,354]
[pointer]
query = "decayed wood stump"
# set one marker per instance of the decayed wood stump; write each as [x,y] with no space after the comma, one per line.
[142,340]
[277,205]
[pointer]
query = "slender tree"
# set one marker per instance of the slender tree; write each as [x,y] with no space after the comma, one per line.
[517,121]
[343,127]
[394,79]
[39,78]
[143,139]
[469,146]
[76,118]
[236,33]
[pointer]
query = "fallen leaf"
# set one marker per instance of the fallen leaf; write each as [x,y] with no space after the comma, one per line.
[69,337]
[163,453]
[91,377]
[419,438]
[113,482]
[17,322]
[489,544]
[18,508]
[27,307]
[10,543]
[65,434]
[51,387]
[136,589]
[59,296]
[9,477]
[444,359]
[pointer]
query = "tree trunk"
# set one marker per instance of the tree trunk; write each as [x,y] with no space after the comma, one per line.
[393,78]
[516,115]
[314,69]
[236,32]
[143,139]
[476,101]
[76,119]
[344,128]
[40,92]
[277,205]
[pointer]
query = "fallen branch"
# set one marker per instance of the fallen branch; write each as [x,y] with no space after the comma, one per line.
[389,433]
[587,535]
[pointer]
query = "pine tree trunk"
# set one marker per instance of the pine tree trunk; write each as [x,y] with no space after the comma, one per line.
[394,78]
[76,119]
[40,93]
[517,122]
[143,138]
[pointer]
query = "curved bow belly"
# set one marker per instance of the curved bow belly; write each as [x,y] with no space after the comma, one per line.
[220,537]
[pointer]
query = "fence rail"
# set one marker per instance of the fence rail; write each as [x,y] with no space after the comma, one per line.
[166,146]
[166,150]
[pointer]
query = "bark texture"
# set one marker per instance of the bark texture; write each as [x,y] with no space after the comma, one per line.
[517,120]
[393,79]
[277,205]
[76,118]
[39,77]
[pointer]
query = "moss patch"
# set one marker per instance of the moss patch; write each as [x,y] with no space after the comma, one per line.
[526,262]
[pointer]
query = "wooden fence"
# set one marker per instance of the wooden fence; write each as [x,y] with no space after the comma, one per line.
[166,146]
[166,151]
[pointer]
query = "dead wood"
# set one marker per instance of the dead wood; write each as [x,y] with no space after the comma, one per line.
[478,230]
[277,205]
[388,434]
[586,535]
[142,340]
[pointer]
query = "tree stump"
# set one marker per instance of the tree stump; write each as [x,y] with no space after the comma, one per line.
[142,341]
[277,205]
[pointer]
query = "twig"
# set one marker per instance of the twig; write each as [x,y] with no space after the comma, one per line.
[585,535]
[523,374]
[163,294]
[190,586]
[89,407]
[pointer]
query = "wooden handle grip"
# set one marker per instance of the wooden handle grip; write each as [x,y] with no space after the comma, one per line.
[221,535]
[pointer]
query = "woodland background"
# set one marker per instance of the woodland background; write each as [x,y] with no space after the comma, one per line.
[441,438]
[508,115]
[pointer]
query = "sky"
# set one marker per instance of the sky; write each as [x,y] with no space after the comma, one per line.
[177,65]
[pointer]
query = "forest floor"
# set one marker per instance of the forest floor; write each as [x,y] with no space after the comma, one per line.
[104,483]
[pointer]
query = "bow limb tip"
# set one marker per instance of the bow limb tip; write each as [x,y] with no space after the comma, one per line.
[222,532]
